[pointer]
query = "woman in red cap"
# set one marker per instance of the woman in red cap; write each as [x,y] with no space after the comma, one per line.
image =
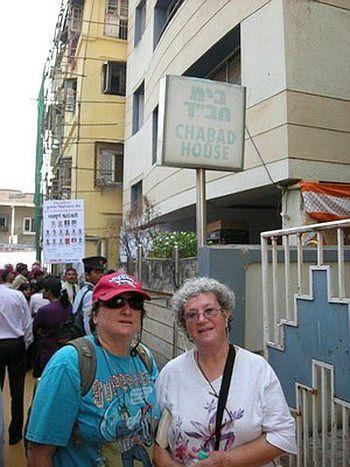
[111,422]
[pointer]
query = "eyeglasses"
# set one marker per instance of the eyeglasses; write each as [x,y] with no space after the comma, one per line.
[208,313]
[136,303]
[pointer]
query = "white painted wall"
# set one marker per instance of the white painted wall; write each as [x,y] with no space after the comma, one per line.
[263,57]
[317,41]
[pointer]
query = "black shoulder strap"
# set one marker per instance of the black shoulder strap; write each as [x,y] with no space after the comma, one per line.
[87,362]
[225,386]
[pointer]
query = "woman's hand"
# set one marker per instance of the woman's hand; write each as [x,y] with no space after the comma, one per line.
[252,454]
[162,458]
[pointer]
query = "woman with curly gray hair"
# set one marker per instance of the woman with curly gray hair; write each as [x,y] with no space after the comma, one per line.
[225,404]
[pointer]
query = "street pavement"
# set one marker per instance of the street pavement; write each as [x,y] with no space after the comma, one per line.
[14,455]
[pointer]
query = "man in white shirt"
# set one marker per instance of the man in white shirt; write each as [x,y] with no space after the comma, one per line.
[70,283]
[15,336]
[37,301]
[94,267]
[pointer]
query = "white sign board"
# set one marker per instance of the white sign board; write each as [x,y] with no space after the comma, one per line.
[201,124]
[63,231]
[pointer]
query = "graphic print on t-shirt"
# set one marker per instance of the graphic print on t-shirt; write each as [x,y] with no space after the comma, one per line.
[128,422]
[204,433]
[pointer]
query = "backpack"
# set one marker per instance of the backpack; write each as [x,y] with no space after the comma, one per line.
[73,327]
[87,362]
[87,365]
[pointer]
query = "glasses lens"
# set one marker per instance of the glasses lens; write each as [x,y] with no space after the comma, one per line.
[136,303]
[208,313]
[115,302]
[192,316]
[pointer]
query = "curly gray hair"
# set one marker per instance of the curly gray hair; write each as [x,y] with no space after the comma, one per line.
[194,287]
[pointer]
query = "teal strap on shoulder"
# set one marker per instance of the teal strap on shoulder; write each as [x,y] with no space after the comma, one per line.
[87,362]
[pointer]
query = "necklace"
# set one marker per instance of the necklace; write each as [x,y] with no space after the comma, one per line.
[146,416]
[211,386]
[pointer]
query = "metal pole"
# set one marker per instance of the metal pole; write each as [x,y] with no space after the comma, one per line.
[176,266]
[176,286]
[139,262]
[201,209]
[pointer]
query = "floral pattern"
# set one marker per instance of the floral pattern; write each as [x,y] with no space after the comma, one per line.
[204,433]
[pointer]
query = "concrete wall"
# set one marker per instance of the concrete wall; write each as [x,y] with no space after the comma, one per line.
[158,332]
[159,274]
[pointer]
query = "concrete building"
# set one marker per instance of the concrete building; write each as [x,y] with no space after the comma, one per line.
[16,219]
[86,106]
[293,58]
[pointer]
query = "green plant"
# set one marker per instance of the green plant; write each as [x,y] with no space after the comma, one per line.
[163,244]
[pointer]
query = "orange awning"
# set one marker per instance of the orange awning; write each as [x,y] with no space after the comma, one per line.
[326,201]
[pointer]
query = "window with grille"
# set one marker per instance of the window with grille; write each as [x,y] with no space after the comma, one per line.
[76,19]
[28,225]
[65,175]
[114,78]
[116,19]
[70,87]
[109,164]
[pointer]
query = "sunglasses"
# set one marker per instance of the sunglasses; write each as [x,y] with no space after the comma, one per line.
[136,303]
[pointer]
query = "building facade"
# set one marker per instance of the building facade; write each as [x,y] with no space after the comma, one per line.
[292,57]
[85,117]
[16,218]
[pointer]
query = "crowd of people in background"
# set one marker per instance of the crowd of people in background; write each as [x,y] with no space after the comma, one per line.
[40,312]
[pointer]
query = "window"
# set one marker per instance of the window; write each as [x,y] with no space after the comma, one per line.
[140,21]
[136,195]
[113,78]
[116,19]
[138,108]
[109,164]
[164,11]
[28,225]
[229,71]
[76,18]
[70,88]
[222,62]
[3,222]
[154,134]
[64,175]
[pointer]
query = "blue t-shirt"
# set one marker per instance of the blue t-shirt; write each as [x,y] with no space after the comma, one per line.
[113,424]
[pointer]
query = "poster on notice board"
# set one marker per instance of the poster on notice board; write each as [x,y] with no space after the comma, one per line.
[63,231]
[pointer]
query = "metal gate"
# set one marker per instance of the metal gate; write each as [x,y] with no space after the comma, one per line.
[307,335]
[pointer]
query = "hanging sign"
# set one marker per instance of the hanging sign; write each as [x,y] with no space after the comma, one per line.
[63,231]
[201,124]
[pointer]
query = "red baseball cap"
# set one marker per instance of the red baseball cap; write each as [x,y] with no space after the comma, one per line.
[115,284]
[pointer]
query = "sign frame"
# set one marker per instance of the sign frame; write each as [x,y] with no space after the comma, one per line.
[165,89]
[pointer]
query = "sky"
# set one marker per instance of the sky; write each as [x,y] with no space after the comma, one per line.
[26,37]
